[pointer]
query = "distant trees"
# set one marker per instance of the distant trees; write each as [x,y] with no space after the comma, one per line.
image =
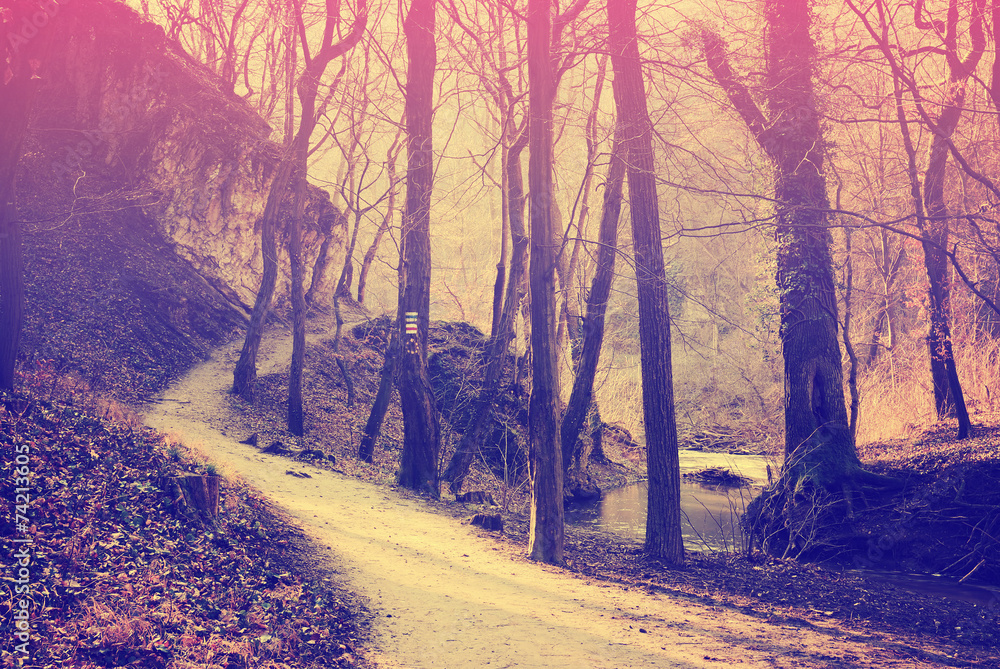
[246,43]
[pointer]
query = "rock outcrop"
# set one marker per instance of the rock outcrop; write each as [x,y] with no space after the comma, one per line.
[142,186]
[125,104]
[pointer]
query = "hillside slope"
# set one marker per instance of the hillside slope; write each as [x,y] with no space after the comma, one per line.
[117,576]
[141,188]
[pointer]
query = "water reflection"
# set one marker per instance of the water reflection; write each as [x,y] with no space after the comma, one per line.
[710,514]
[710,521]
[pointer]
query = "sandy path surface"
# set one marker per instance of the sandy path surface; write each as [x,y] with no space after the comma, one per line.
[445,597]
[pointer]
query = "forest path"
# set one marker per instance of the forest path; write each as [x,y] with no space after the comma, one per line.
[443,596]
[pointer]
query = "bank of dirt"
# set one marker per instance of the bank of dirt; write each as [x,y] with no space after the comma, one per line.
[445,594]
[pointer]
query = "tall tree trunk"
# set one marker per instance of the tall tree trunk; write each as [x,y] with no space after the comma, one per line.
[11,289]
[930,208]
[422,437]
[852,370]
[319,269]
[366,450]
[663,520]
[802,511]
[949,400]
[21,73]
[329,220]
[546,532]
[581,397]
[245,373]
[341,365]
[307,89]
[569,314]
[295,413]
[817,435]
[506,140]
[501,280]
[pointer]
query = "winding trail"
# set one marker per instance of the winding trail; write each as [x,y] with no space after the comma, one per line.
[445,597]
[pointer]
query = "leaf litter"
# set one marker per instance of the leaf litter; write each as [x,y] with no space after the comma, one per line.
[120,578]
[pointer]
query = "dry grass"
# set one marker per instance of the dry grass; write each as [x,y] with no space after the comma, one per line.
[49,381]
[897,398]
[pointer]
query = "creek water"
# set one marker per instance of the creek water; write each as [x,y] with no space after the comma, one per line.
[710,514]
[710,520]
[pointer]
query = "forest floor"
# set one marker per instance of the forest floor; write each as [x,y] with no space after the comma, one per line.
[442,593]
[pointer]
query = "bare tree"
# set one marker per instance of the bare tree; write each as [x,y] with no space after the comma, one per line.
[421,430]
[491,46]
[545,539]
[581,397]
[386,223]
[820,459]
[513,140]
[932,215]
[663,521]
[307,87]
[293,165]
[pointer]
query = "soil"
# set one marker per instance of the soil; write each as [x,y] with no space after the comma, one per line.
[444,594]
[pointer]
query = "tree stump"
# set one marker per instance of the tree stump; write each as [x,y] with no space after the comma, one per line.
[489,521]
[195,494]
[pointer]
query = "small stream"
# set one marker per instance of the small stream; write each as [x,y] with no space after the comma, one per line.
[709,513]
[710,520]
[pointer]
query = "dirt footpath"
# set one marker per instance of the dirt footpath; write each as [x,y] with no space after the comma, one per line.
[445,597]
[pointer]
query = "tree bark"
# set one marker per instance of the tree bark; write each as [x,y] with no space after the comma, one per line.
[11,290]
[21,74]
[295,413]
[799,514]
[307,89]
[329,220]
[581,397]
[663,520]
[852,370]
[245,373]
[546,532]
[949,401]
[570,326]
[931,209]
[366,450]
[422,438]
